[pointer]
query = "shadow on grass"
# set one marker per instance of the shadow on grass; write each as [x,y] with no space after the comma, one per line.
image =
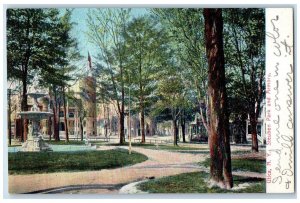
[253,165]
[196,182]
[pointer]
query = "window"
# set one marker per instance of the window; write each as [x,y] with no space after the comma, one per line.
[61,126]
[249,129]
[61,114]
[259,129]
[71,114]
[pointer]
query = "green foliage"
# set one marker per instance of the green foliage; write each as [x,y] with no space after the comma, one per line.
[196,183]
[49,162]
[244,44]
[38,40]
[186,33]
[106,32]
[171,93]
[146,43]
[252,165]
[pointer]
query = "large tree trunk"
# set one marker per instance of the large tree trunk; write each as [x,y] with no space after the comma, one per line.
[24,106]
[254,114]
[109,127]
[183,128]
[220,166]
[253,123]
[122,109]
[142,126]
[55,109]
[121,130]
[81,128]
[175,131]
[49,127]
[56,123]
[65,117]
[56,127]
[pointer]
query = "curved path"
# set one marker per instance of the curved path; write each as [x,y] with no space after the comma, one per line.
[160,163]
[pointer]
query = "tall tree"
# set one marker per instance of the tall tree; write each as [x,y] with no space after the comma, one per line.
[28,33]
[220,166]
[185,26]
[35,45]
[245,59]
[145,43]
[171,99]
[106,31]
[63,70]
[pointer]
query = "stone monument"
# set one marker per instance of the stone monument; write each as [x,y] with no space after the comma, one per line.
[35,142]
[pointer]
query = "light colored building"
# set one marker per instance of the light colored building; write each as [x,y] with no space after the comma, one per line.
[261,125]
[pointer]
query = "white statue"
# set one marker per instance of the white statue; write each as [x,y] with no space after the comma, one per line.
[30,130]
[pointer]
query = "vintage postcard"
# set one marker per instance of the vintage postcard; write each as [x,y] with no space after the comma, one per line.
[111,100]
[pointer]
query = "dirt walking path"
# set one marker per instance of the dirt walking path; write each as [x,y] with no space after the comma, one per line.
[160,163]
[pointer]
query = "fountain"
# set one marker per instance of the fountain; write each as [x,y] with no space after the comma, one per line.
[35,142]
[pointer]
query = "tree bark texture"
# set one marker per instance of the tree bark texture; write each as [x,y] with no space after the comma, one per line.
[253,123]
[121,130]
[81,128]
[65,117]
[24,105]
[175,131]
[220,166]
[49,127]
[183,129]
[142,126]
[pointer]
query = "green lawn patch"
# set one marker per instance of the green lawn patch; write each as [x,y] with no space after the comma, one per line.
[153,146]
[47,162]
[195,152]
[176,148]
[63,142]
[253,165]
[196,183]
[17,145]
[126,144]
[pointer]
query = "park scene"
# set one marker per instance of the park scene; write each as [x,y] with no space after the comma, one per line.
[135,100]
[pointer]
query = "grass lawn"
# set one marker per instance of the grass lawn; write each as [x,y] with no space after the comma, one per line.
[176,148]
[195,183]
[253,165]
[17,145]
[47,162]
[195,152]
[73,142]
[63,142]
[159,147]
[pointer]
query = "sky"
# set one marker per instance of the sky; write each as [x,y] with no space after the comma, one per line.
[79,16]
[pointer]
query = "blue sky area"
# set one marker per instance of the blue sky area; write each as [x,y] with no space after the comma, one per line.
[79,16]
